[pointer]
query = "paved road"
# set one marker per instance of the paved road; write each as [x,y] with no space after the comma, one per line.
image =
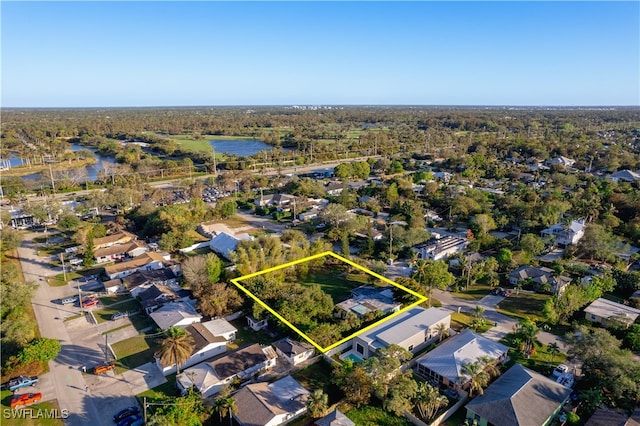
[65,381]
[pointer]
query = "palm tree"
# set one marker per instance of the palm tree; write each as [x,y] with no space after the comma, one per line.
[428,400]
[490,366]
[176,348]
[478,311]
[478,378]
[442,330]
[226,405]
[553,350]
[231,408]
[527,330]
[317,403]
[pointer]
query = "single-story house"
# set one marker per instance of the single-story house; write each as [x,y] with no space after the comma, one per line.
[120,251]
[607,313]
[334,188]
[444,364]
[334,418]
[270,404]
[413,330]
[625,176]
[561,161]
[441,248]
[539,276]
[206,345]
[142,279]
[121,237]
[566,234]
[520,397]
[156,296]
[281,201]
[209,377]
[608,417]
[368,299]
[257,324]
[225,244]
[175,314]
[293,351]
[113,286]
[146,261]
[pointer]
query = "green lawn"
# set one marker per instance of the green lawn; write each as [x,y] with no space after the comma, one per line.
[189,143]
[375,416]
[525,305]
[246,335]
[475,292]
[134,352]
[114,298]
[6,396]
[462,320]
[334,284]
[318,376]
[165,392]
[541,360]
[104,314]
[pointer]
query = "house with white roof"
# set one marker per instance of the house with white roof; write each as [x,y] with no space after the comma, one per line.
[566,234]
[445,364]
[210,376]
[270,404]
[607,313]
[225,244]
[175,314]
[561,161]
[146,261]
[441,248]
[207,344]
[413,330]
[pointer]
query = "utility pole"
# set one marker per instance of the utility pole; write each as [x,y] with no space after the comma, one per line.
[144,408]
[64,270]
[215,169]
[53,185]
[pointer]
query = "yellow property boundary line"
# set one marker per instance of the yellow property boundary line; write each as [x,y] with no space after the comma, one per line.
[236,282]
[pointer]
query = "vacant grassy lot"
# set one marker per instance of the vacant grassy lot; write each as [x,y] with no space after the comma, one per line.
[135,351]
[104,314]
[189,143]
[6,396]
[525,305]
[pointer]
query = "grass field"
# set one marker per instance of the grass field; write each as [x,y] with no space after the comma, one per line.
[334,284]
[134,352]
[375,416]
[526,305]
[189,143]
[475,292]
[5,400]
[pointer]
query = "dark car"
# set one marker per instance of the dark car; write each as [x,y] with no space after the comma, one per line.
[129,421]
[124,413]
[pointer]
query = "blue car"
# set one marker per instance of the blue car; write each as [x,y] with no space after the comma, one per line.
[136,420]
[123,414]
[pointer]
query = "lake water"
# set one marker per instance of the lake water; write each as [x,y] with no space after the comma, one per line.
[91,169]
[240,147]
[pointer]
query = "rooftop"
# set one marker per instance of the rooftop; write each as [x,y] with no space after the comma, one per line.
[403,326]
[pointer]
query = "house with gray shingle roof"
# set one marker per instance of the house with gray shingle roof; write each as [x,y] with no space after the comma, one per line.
[608,313]
[270,404]
[444,364]
[520,397]
[293,351]
[335,418]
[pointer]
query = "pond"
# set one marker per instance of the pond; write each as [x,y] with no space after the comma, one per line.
[240,147]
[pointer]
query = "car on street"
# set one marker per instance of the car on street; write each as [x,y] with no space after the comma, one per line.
[103,368]
[21,382]
[134,420]
[88,302]
[124,413]
[25,399]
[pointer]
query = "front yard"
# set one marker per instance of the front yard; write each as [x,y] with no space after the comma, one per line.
[104,314]
[525,305]
[135,351]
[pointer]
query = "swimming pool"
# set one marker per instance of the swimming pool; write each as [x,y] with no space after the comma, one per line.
[353,357]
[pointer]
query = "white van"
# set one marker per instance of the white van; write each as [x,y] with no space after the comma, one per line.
[68,300]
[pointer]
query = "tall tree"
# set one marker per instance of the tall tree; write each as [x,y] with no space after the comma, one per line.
[429,400]
[318,403]
[176,348]
[478,377]
[433,274]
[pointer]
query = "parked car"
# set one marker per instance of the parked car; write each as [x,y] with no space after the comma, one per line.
[88,302]
[21,382]
[103,368]
[560,370]
[134,420]
[68,300]
[25,399]
[124,413]
[119,315]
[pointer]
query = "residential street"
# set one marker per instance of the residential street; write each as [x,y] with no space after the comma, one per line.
[65,380]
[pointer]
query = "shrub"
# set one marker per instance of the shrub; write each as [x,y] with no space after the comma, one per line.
[40,349]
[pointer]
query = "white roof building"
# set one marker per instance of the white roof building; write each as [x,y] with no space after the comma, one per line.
[606,312]
[175,314]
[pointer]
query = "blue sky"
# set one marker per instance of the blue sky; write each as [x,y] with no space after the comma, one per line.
[75,54]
